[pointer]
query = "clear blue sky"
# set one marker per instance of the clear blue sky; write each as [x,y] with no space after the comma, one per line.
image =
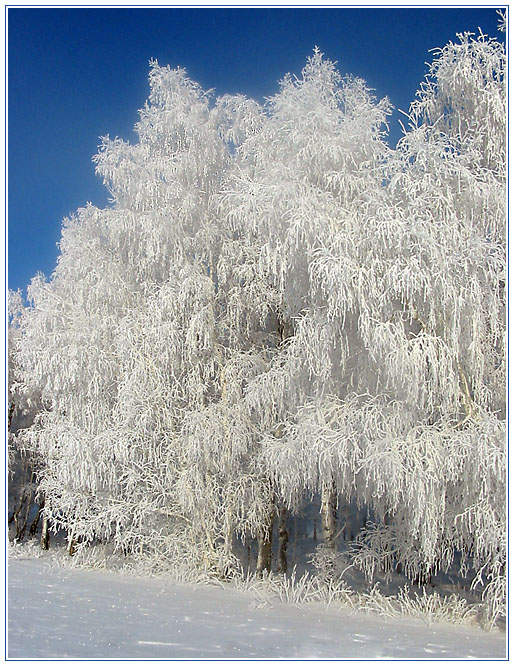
[77,74]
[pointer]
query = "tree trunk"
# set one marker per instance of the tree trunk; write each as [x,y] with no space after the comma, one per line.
[35,523]
[21,516]
[265,534]
[228,542]
[10,415]
[283,538]
[45,534]
[329,513]
[264,542]
[72,545]
[345,514]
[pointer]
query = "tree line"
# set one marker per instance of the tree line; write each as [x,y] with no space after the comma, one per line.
[277,311]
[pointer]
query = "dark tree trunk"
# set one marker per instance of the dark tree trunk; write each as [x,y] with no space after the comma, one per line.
[21,515]
[35,522]
[283,538]
[72,545]
[10,415]
[264,543]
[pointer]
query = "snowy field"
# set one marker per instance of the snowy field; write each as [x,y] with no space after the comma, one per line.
[56,612]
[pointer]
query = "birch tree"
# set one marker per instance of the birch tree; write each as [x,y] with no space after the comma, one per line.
[20,409]
[451,281]
[121,339]
[302,180]
[278,306]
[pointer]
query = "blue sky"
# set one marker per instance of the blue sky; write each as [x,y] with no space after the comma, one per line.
[77,74]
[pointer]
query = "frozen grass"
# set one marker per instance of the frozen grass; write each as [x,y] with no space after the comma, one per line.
[321,586]
[428,607]
[102,614]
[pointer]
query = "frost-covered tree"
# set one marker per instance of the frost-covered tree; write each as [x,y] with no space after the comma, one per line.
[304,179]
[21,406]
[279,310]
[442,347]
[417,278]
[389,268]
[121,340]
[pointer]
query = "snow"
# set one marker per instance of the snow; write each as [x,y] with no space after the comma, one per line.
[56,612]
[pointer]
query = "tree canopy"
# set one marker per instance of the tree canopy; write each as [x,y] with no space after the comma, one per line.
[280,311]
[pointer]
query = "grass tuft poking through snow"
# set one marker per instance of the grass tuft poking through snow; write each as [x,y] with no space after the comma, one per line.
[102,614]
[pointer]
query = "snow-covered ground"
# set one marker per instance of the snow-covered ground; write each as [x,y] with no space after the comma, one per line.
[57,612]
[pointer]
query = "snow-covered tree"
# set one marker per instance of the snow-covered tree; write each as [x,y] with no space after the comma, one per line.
[121,340]
[304,179]
[444,346]
[278,307]
[389,269]
[21,406]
